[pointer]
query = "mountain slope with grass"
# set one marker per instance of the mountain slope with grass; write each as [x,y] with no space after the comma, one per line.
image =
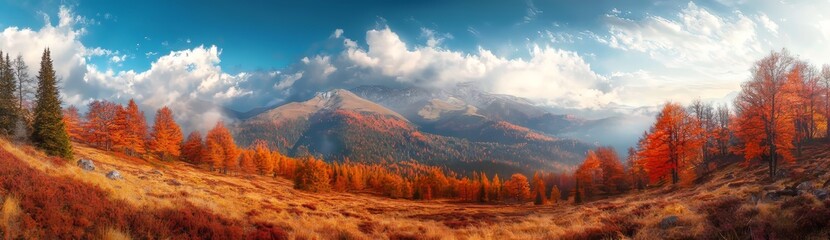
[43,197]
[339,125]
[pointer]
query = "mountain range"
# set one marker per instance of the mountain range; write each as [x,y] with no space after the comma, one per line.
[462,128]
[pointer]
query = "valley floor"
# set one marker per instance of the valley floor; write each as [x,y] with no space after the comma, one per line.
[733,203]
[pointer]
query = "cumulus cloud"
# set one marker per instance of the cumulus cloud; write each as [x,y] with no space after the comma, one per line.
[551,75]
[189,81]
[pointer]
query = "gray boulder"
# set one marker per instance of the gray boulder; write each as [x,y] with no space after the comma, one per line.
[821,194]
[86,164]
[669,222]
[805,186]
[114,175]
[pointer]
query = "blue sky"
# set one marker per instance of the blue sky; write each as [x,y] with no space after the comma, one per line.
[597,55]
[273,35]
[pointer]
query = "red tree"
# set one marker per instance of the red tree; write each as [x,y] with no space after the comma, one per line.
[672,145]
[192,149]
[764,121]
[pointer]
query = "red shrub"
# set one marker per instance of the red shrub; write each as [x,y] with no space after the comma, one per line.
[62,208]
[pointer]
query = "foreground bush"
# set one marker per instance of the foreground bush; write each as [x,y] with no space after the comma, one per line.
[62,208]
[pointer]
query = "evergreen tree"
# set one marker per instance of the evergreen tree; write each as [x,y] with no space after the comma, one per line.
[8,101]
[49,132]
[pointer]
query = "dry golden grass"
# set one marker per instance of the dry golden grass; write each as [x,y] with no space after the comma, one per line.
[115,234]
[361,216]
[9,217]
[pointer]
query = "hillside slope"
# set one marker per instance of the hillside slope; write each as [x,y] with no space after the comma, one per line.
[338,125]
[722,206]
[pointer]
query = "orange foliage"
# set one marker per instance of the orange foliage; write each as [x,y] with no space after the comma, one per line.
[672,145]
[72,122]
[517,188]
[192,149]
[262,158]
[221,149]
[166,136]
[99,126]
[246,161]
[764,122]
[130,130]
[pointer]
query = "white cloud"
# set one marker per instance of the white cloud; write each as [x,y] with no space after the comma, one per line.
[118,59]
[554,76]
[695,39]
[187,80]
[183,80]
[337,33]
[770,25]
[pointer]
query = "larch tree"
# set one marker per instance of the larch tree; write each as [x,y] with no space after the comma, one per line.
[25,84]
[49,133]
[586,177]
[100,124]
[613,172]
[312,175]
[673,145]
[555,195]
[9,113]
[723,135]
[518,188]
[495,189]
[825,84]
[219,140]
[262,158]
[539,190]
[484,191]
[214,154]
[131,130]
[166,137]
[636,170]
[246,161]
[703,115]
[764,122]
[192,148]
[72,121]
[25,90]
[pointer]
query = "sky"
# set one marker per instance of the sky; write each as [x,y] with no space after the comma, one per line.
[590,55]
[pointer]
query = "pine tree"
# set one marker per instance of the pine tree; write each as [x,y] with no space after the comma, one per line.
[166,137]
[49,132]
[8,100]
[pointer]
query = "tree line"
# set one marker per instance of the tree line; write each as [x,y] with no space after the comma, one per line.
[784,105]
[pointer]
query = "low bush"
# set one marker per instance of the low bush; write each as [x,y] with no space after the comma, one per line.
[63,208]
